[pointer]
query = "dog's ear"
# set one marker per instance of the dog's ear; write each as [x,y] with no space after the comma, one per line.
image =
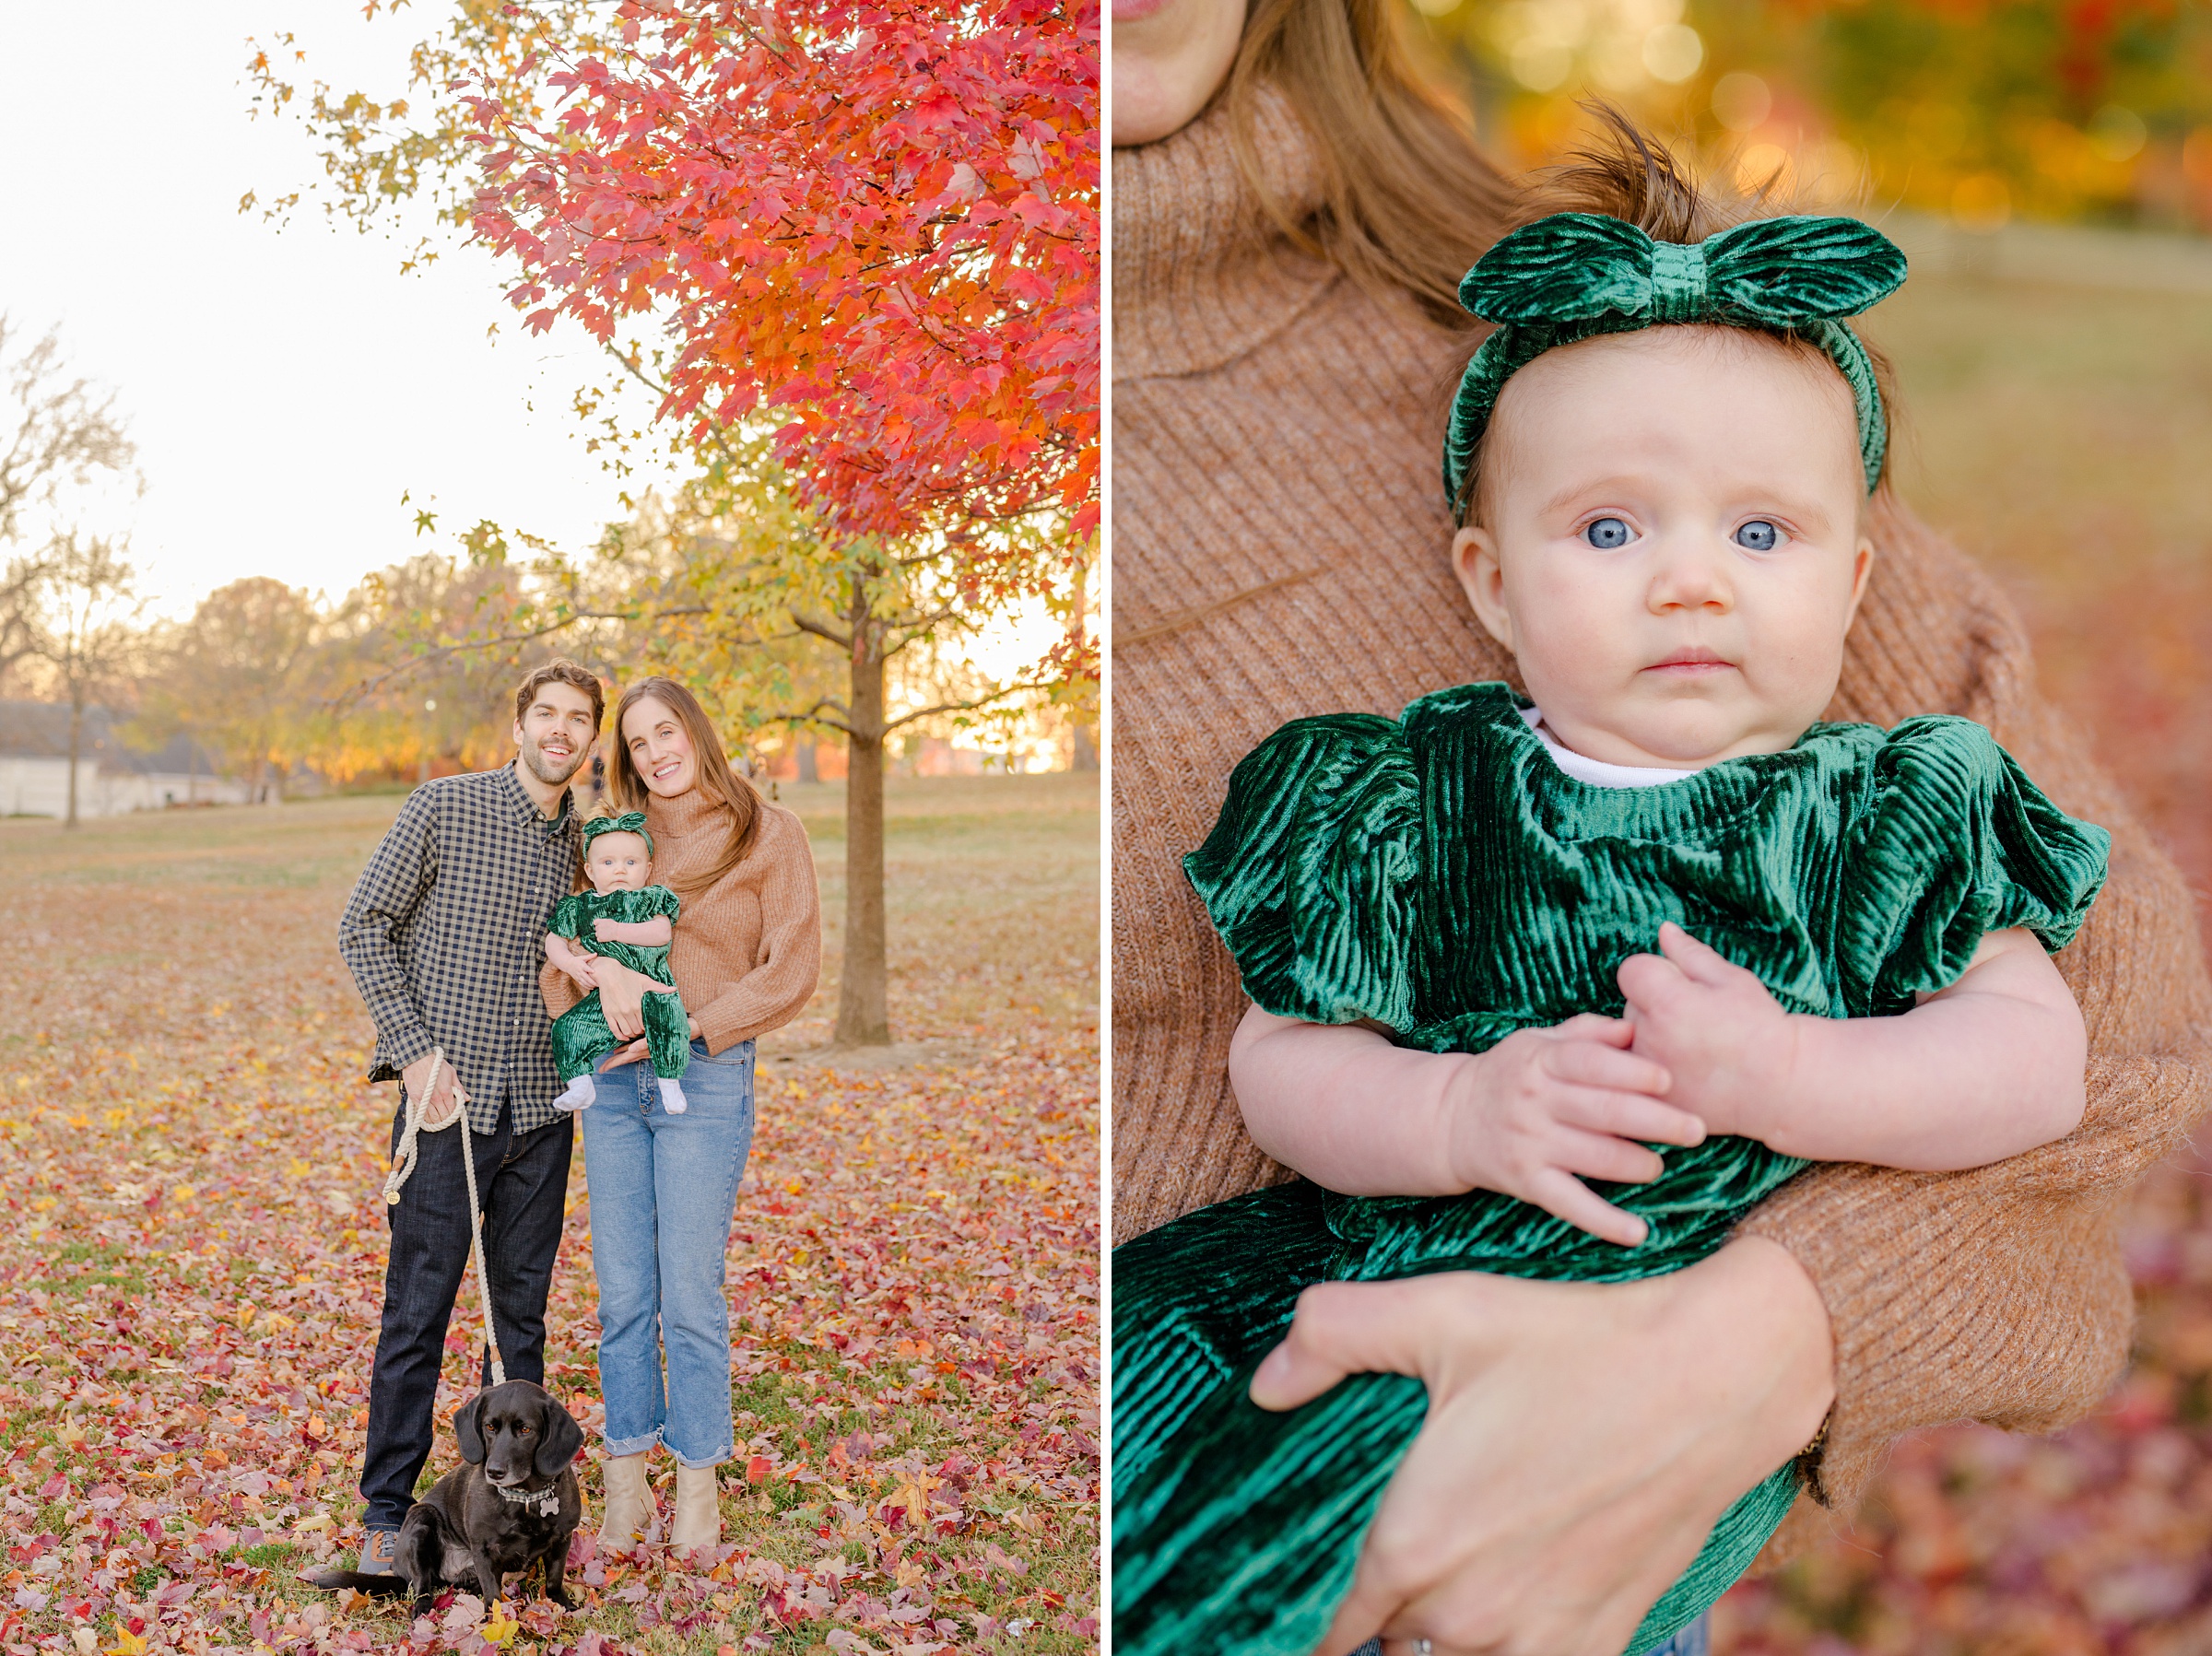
[468,1432]
[557,1446]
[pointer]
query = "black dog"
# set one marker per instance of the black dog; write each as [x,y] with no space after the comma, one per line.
[510,1503]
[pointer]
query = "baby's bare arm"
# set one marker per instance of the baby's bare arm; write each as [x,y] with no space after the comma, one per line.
[647,934]
[1356,1114]
[569,958]
[1983,1070]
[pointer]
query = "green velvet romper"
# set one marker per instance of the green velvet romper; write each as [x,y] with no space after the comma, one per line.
[1442,876]
[580,1036]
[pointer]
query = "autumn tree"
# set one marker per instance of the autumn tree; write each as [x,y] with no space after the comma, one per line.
[60,429]
[81,627]
[868,231]
[58,433]
[240,677]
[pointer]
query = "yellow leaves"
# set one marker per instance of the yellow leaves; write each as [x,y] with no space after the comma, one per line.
[246,1309]
[317,1428]
[275,1321]
[320,1520]
[501,1629]
[184,1192]
[127,1643]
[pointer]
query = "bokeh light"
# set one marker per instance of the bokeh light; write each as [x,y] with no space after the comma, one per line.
[1982,112]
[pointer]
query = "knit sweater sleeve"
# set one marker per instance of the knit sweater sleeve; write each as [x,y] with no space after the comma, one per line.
[1309,873]
[772,984]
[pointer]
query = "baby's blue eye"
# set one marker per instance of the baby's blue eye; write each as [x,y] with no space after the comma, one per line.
[1758,535]
[1606,533]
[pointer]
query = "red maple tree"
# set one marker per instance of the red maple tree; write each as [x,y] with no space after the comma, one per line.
[875,219]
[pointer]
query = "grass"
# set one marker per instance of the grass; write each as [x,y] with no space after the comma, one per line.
[2060,436]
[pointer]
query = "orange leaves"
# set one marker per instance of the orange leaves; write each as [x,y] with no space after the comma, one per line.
[852,221]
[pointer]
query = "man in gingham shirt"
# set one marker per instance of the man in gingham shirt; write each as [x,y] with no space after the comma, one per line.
[444,936]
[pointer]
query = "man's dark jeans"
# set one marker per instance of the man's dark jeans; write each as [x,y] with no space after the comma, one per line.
[523,1182]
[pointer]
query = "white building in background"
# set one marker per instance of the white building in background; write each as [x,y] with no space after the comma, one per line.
[111,779]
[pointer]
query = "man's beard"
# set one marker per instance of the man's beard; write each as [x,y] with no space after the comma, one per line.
[541,767]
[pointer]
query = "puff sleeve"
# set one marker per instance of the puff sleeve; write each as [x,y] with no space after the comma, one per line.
[1312,873]
[568,917]
[660,900]
[1954,842]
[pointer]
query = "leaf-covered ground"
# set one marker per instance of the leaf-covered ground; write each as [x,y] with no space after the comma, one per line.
[192,1252]
[2061,435]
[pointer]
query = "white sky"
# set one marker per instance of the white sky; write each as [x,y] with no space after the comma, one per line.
[283,387]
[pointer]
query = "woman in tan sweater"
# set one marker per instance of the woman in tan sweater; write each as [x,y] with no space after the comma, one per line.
[1291,214]
[747,952]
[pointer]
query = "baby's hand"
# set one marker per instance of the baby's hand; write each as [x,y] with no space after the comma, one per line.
[1715,1028]
[1544,1105]
[603,929]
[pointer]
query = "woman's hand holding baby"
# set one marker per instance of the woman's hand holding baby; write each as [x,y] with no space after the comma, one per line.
[622,996]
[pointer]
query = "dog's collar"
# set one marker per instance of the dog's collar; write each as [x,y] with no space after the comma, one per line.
[544,1502]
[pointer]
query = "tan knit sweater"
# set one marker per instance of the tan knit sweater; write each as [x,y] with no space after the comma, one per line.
[748,949]
[1280,549]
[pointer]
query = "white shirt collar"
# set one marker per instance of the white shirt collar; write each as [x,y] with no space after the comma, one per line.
[1596,772]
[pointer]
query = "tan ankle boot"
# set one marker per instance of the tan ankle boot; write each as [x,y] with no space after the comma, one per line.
[629,1503]
[697,1512]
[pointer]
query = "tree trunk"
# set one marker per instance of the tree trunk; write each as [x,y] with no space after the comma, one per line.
[810,771]
[77,726]
[1087,751]
[864,1017]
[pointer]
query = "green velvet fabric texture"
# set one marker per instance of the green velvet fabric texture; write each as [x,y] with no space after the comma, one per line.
[1442,876]
[1574,276]
[628,822]
[580,1035]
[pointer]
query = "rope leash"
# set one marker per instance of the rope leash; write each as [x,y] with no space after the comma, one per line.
[403,1165]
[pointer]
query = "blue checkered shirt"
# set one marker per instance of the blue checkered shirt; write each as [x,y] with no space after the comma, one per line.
[445,932]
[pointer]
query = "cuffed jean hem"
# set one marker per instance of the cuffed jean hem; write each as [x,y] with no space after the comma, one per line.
[621,1449]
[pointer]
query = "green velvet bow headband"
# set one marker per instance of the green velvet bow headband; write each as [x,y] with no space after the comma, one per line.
[629,822]
[1577,275]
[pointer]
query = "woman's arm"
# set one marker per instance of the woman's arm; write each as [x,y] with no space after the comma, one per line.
[1987,1068]
[780,978]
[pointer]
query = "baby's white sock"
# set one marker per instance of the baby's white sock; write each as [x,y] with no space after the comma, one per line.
[578,1097]
[672,1096]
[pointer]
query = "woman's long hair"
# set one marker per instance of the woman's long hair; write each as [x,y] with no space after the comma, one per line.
[1408,202]
[722,785]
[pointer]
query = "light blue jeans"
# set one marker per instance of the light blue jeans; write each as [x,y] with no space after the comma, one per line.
[663,1188]
[1693,1640]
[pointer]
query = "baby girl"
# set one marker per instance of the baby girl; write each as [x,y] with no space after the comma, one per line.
[1653,905]
[625,918]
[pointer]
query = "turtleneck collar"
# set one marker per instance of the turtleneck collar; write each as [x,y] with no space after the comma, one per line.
[1201,273]
[686,814]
